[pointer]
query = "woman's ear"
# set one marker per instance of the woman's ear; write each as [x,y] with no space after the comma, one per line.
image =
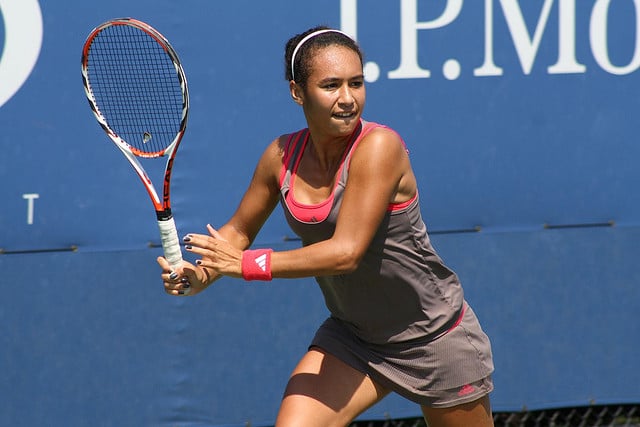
[296,92]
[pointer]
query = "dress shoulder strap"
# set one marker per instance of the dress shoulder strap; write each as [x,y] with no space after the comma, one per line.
[294,144]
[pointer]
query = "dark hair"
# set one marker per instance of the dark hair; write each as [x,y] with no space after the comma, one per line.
[301,66]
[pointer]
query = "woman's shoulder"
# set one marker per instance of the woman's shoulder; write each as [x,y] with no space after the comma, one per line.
[378,144]
[280,150]
[286,140]
[375,133]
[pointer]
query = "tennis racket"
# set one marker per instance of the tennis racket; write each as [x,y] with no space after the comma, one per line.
[137,91]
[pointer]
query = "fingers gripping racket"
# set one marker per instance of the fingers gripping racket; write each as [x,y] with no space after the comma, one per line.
[137,90]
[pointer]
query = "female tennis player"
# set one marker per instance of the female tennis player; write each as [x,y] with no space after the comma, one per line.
[399,321]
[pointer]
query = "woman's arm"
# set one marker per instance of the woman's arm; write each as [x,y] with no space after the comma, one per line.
[379,173]
[259,200]
[237,234]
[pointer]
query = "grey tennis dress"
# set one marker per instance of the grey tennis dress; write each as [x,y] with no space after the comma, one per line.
[400,317]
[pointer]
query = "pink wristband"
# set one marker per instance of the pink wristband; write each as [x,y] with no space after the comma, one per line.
[256,264]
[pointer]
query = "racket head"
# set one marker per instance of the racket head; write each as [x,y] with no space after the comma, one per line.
[136,87]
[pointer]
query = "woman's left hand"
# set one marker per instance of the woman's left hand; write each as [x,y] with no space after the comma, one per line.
[216,252]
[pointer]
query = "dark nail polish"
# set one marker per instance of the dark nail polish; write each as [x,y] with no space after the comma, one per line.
[186,239]
[173,276]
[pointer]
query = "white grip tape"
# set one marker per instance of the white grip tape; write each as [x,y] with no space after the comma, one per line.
[170,242]
[171,245]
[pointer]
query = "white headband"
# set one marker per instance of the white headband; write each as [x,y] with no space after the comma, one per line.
[304,40]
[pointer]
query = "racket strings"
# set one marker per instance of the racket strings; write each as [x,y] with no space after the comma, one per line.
[136,87]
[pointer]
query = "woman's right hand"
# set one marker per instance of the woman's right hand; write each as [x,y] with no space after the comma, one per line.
[186,280]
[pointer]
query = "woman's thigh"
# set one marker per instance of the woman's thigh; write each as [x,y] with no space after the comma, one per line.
[323,391]
[476,413]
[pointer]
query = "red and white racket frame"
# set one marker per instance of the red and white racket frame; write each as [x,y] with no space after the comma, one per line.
[162,206]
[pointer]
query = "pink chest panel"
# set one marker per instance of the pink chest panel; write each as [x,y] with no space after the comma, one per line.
[309,213]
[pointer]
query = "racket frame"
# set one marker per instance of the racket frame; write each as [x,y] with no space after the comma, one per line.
[162,205]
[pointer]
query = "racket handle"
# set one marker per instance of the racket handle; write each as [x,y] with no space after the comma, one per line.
[171,245]
[170,242]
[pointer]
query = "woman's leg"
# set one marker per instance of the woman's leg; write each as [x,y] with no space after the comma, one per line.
[476,414]
[323,391]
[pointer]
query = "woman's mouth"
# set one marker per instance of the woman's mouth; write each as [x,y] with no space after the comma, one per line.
[345,116]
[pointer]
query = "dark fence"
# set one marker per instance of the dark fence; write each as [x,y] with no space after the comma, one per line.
[590,416]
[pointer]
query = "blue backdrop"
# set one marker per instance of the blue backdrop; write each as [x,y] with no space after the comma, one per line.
[519,118]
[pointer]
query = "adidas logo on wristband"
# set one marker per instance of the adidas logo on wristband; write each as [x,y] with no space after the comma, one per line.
[262,262]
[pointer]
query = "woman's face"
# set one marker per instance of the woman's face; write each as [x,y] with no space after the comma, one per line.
[334,96]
